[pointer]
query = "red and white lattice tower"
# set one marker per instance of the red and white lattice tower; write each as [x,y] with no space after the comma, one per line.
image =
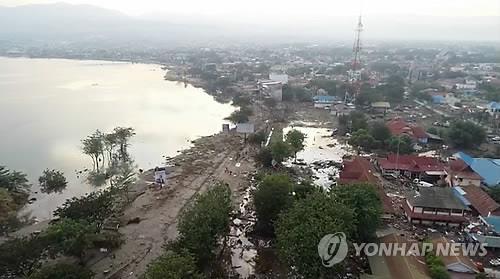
[354,73]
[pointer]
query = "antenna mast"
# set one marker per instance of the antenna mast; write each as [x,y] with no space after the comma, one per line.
[354,73]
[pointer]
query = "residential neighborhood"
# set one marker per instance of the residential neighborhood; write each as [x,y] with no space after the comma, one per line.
[136,147]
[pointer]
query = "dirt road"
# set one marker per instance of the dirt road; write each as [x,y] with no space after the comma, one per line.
[216,158]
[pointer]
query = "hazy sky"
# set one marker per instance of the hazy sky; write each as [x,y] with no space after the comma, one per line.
[292,7]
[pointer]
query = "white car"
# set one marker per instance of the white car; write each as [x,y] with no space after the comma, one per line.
[421,183]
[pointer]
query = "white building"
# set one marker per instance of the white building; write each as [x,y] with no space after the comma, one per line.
[279,77]
[469,84]
[271,88]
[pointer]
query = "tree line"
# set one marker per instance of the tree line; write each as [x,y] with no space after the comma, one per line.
[376,135]
[298,215]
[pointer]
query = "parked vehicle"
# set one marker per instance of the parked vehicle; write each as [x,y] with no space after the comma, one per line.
[421,183]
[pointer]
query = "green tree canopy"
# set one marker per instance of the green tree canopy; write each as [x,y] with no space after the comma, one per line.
[264,157]
[295,93]
[123,136]
[403,144]
[272,196]
[8,210]
[364,200]
[52,181]
[203,221]
[363,139]
[69,237]
[93,146]
[62,270]
[329,85]
[21,256]
[295,140]
[300,229]
[240,116]
[358,121]
[14,193]
[280,151]
[173,265]
[93,207]
[465,134]
[380,131]
[257,138]
[14,182]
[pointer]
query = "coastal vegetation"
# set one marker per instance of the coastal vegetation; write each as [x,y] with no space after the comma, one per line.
[271,197]
[80,224]
[279,150]
[14,193]
[241,115]
[202,224]
[78,231]
[109,154]
[52,181]
[62,270]
[295,140]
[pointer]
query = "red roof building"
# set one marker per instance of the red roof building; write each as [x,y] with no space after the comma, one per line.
[360,169]
[412,165]
[461,174]
[399,127]
[480,201]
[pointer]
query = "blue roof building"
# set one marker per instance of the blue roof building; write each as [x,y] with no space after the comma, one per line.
[325,99]
[493,222]
[438,99]
[488,169]
[494,107]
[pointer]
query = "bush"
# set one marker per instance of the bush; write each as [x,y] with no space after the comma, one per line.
[204,221]
[280,151]
[300,229]
[264,157]
[465,134]
[62,270]
[271,197]
[69,237]
[402,144]
[94,207]
[380,132]
[257,138]
[21,256]
[172,265]
[108,239]
[439,272]
[363,139]
[358,121]
[365,202]
[52,181]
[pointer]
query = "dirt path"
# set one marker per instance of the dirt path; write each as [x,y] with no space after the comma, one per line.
[158,209]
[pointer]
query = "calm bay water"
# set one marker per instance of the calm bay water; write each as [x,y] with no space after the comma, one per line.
[48,105]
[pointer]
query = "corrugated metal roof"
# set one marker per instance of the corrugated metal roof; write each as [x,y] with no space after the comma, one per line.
[488,169]
[494,221]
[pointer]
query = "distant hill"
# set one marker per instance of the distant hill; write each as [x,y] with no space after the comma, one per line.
[50,24]
[63,22]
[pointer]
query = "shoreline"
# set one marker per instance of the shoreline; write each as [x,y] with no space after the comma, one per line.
[85,59]
[191,142]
